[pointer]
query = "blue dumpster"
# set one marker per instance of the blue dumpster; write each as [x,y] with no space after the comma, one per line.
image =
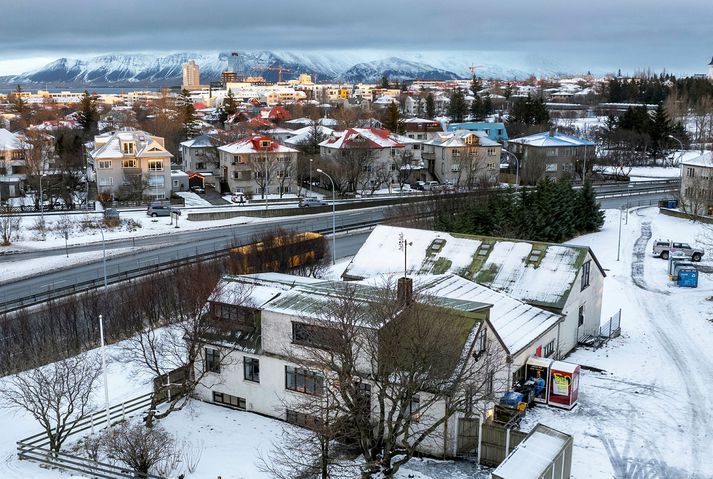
[672,204]
[688,278]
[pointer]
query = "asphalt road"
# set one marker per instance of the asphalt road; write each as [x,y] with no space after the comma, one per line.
[158,250]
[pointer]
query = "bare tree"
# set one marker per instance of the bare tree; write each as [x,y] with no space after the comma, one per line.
[285,172]
[141,448]
[264,169]
[394,371]
[9,224]
[179,347]
[55,395]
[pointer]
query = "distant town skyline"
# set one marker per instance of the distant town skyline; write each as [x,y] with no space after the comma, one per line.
[599,36]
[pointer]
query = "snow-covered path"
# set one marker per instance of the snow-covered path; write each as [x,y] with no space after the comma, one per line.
[647,414]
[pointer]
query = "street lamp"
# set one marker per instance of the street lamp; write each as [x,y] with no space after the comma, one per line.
[680,166]
[101,334]
[682,149]
[42,203]
[334,217]
[517,167]
[310,177]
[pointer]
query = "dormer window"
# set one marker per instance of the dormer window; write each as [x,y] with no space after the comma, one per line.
[128,147]
[265,143]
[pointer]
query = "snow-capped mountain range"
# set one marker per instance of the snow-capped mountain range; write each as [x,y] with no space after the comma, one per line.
[165,70]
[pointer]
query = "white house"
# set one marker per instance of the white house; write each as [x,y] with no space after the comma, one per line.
[561,278]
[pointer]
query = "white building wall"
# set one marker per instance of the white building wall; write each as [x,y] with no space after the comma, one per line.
[591,298]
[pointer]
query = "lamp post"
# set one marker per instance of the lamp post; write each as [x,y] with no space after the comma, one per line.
[42,203]
[334,217]
[310,177]
[682,149]
[517,167]
[101,335]
[618,243]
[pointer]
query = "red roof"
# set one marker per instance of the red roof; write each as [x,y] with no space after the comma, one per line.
[200,106]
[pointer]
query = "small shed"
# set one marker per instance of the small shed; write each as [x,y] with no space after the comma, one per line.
[545,453]
[179,180]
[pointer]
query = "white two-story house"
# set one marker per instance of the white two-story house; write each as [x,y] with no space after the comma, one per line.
[463,158]
[130,165]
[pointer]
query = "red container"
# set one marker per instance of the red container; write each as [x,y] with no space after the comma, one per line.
[564,384]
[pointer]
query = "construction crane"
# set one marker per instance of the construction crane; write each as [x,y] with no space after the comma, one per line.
[472,70]
[279,69]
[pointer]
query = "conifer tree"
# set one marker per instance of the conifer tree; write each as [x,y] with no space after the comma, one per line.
[187,115]
[660,128]
[88,117]
[430,106]
[457,108]
[392,117]
[588,216]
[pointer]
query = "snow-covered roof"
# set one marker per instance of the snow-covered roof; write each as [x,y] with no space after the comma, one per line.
[551,139]
[178,174]
[361,138]
[518,324]
[202,141]
[302,134]
[534,454]
[252,144]
[9,141]
[706,160]
[458,138]
[108,145]
[537,273]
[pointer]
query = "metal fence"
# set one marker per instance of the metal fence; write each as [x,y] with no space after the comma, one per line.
[605,332]
[489,442]
[36,448]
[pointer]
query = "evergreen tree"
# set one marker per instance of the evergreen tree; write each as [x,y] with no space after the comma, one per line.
[430,106]
[392,118]
[487,105]
[457,108]
[20,107]
[230,107]
[88,117]
[660,128]
[531,111]
[477,108]
[588,216]
[385,82]
[187,115]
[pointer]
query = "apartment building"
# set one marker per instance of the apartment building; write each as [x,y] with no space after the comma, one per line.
[697,184]
[13,170]
[130,164]
[191,75]
[463,158]
[258,165]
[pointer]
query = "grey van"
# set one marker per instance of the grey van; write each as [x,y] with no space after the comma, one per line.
[158,210]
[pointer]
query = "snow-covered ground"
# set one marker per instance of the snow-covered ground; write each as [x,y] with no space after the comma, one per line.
[192,199]
[646,415]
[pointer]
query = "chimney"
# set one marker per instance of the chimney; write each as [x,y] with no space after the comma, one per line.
[404,291]
[552,132]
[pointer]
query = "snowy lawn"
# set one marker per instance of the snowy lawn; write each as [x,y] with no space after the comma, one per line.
[193,199]
[646,414]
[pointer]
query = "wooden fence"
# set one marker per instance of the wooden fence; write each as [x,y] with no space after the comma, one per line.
[489,442]
[36,448]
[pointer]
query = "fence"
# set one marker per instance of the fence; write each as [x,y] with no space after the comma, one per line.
[610,329]
[490,442]
[50,208]
[36,448]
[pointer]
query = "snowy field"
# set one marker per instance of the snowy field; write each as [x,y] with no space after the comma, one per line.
[645,415]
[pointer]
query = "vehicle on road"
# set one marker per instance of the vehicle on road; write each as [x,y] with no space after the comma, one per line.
[158,210]
[311,202]
[663,249]
[431,185]
[239,197]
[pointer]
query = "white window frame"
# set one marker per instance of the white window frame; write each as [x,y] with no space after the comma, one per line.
[104,165]
[152,165]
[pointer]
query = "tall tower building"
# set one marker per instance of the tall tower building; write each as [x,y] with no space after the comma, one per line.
[191,75]
[710,70]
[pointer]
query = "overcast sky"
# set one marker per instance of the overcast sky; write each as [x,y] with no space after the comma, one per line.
[579,35]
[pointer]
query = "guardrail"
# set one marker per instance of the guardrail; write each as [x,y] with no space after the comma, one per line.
[36,448]
[113,278]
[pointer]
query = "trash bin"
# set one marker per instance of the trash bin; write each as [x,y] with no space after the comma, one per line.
[672,204]
[688,278]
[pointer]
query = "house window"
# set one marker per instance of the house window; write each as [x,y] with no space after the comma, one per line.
[200,166]
[414,407]
[581,316]
[491,151]
[314,336]
[585,274]
[228,400]
[283,174]
[303,380]
[130,163]
[106,181]
[455,152]
[251,369]
[265,144]
[481,342]
[157,195]
[241,318]
[128,147]
[155,165]
[212,360]
[551,151]
[549,349]
[551,167]
[489,383]
[302,419]
[104,164]
[690,172]
[176,183]
[156,181]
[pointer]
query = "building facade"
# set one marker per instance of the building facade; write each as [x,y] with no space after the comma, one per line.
[13,168]
[697,185]
[130,165]
[463,158]
[258,165]
[191,75]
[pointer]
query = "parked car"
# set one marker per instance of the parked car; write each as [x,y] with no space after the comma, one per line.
[663,249]
[158,210]
[311,202]
[418,185]
[430,185]
[238,197]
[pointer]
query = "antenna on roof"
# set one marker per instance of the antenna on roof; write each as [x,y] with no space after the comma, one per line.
[403,246]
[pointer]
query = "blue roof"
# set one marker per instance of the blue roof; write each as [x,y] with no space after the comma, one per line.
[496,130]
[551,140]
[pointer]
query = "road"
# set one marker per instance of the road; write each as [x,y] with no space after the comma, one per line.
[158,251]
